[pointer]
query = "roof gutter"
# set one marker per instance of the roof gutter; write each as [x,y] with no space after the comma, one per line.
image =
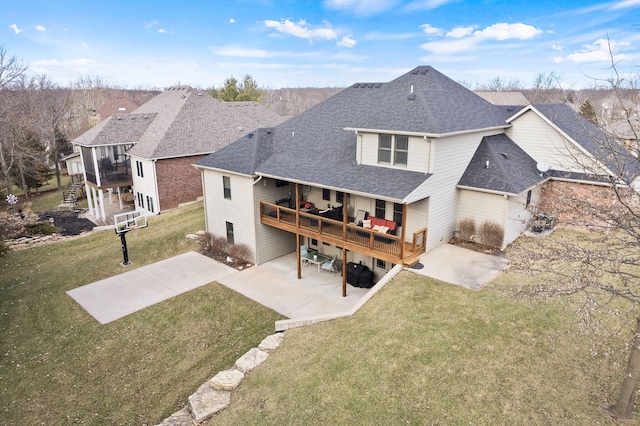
[427,135]
[487,191]
[334,188]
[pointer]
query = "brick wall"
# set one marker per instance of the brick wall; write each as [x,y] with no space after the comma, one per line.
[578,205]
[178,181]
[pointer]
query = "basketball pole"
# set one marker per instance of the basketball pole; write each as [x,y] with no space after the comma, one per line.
[125,252]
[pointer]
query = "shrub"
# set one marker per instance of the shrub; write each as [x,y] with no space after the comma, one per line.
[212,245]
[41,229]
[491,234]
[240,253]
[467,229]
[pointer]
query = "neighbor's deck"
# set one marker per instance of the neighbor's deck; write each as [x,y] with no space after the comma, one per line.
[345,235]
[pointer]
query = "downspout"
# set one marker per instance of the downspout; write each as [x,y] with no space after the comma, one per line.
[155,178]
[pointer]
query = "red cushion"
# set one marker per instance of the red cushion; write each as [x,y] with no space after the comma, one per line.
[391,224]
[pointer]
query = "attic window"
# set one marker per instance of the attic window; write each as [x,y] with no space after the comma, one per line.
[393,149]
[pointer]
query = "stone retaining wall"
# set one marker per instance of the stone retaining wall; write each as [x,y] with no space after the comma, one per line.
[215,395]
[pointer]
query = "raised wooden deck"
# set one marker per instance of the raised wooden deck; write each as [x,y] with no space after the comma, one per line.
[381,246]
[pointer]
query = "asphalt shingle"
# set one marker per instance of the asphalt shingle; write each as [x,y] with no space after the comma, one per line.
[499,164]
[318,146]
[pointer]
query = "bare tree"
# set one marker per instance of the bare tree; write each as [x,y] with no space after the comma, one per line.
[604,265]
[11,69]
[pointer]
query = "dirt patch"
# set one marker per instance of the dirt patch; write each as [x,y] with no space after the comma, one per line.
[67,222]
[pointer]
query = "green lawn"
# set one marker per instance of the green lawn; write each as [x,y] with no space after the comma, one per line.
[60,366]
[426,352]
[420,352]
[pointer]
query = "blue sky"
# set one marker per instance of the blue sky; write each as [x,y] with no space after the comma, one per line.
[329,43]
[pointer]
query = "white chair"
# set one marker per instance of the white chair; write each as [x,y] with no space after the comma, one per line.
[360,216]
[304,255]
[330,265]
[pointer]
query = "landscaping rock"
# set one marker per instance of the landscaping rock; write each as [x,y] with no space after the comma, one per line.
[270,343]
[206,402]
[227,380]
[251,360]
[179,418]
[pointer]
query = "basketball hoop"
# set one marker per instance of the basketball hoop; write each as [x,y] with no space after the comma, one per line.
[126,222]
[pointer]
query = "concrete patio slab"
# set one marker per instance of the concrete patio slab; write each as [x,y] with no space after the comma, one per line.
[123,294]
[460,266]
[275,284]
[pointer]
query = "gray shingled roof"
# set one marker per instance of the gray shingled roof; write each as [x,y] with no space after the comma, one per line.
[596,142]
[316,146]
[499,164]
[118,129]
[185,122]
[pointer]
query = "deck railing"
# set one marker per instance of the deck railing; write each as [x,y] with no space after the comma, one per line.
[353,237]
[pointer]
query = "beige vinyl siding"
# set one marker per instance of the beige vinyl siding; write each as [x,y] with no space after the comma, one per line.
[147,185]
[271,242]
[519,216]
[417,157]
[239,210]
[417,217]
[546,145]
[451,157]
[481,207]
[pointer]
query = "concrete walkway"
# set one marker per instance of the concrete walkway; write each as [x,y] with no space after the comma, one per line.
[123,294]
[273,284]
[460,266]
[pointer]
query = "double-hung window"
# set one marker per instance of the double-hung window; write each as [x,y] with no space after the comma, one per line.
[393,149]
[381,207]
[226,185]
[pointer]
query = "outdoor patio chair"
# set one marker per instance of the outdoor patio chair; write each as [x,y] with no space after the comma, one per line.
[304,255]
[330,265]
[360,216]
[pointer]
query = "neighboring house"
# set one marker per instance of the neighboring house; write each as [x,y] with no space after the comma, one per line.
[575,155]
[418,154]
[117,104]
[152,151]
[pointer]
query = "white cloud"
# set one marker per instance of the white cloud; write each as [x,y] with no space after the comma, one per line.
[460,32]
[301,29]
[426,4]
[625,4]
[463,39]
[600,51]
[347,42]
[444,47]
[151,24]
[232,21]
[163,31]
[85,45]
[428,29]
[503,31]
[41,28]
[361,7]
[556,46]
[15,28]
[241,52]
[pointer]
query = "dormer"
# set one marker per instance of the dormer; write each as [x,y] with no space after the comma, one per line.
[394,149]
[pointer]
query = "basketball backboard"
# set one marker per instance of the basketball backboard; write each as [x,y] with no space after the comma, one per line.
[125,222]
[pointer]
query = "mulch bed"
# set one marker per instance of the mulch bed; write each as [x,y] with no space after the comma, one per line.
[480,248]
[67,222]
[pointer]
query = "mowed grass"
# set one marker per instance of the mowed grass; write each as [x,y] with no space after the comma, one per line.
[427,352]
[58,365]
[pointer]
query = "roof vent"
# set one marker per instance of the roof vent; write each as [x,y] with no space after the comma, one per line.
[412,97]
[486,165]
[504,154]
